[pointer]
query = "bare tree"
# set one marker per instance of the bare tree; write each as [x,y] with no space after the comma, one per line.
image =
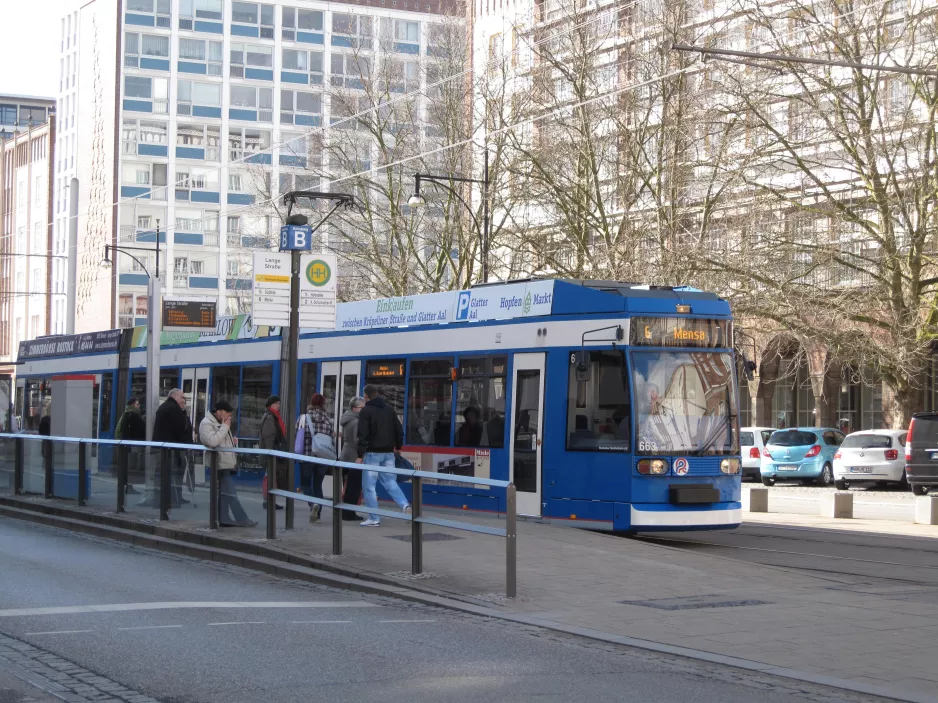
[845,184]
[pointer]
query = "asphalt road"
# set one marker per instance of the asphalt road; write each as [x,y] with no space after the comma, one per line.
[144,626]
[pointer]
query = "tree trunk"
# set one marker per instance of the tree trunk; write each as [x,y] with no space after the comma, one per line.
[900,404]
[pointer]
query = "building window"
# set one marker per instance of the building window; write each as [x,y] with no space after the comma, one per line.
[202,9]
[355,31]
[138,87]
[349,70]
[304,62]
[243,142]
[303,20]
[405,31]
[251,13]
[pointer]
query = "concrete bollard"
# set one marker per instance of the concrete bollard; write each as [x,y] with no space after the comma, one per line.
[926,510]
[837,505]
[758,500]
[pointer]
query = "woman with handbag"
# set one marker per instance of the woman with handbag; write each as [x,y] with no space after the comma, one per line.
[318,441]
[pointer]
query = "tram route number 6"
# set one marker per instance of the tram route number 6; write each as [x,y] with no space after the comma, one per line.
[296,238]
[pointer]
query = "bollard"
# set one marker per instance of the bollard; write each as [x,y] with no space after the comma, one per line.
[166,484]
[926,510]
[47,450]
[213,492]
[758,500]
[511,542]
[837,505]
[416,528]
[18,466]
[82,473]
[122,453]
[271,500]
[336,514]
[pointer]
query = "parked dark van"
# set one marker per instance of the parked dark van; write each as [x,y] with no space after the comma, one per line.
[921,453]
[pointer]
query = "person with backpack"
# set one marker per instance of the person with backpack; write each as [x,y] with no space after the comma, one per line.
[274,436]
[380,438]
[318,441]
[133,427]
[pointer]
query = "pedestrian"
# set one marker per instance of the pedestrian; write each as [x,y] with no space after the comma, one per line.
[348,425]
[45,429]
[380,438]
[274,436]
[171,424]
[315,422]
[215,433]
[132,426]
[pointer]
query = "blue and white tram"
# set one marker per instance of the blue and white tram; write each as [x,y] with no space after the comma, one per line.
[609,405]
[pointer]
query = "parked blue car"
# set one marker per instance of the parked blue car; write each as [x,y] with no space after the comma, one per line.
[803,454]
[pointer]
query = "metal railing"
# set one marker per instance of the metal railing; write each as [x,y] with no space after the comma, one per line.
[416,516]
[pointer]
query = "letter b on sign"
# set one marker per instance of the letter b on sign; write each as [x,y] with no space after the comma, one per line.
[296,238]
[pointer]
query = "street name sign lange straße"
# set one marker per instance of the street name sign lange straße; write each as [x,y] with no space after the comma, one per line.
[271,289]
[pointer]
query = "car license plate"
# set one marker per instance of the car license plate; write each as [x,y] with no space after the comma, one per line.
[787,467]
[861,469]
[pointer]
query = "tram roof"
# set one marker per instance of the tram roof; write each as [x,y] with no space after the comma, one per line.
[489,302]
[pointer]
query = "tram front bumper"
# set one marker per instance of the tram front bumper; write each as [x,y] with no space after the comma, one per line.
[664,517]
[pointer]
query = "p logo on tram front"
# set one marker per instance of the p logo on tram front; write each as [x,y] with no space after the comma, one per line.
[681,466]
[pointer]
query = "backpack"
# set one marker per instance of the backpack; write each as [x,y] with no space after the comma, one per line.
[119,430]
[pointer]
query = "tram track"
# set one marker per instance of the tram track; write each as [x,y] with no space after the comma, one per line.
[919,568]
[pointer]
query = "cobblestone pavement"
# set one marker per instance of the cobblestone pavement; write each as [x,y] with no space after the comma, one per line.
[58,677]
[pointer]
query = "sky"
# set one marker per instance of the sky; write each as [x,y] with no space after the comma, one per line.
[29,46]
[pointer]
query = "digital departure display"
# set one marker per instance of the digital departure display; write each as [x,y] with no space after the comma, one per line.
[188,315]
[679,332]
[393,368]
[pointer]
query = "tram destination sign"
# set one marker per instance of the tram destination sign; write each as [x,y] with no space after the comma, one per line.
[679,332]
[67,345]
[184,315]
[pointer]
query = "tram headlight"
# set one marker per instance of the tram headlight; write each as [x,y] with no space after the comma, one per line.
[652,467]
[730,466]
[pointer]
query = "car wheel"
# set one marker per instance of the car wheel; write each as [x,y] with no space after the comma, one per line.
[904,481]
[919,490]
[768,481]
[841,485]
[827,476]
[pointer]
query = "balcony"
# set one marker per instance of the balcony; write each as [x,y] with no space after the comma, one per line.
[161,106]
[180,280]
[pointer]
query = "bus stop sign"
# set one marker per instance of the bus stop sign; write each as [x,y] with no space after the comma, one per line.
[296,238]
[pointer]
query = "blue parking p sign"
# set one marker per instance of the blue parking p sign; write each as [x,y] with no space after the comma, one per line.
[296,238]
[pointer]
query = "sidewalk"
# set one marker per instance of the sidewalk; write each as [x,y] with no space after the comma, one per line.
[824,627]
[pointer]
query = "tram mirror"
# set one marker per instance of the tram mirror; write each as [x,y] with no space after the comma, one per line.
[581,360]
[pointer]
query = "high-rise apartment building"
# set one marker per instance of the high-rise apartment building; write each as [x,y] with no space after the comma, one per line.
[176,124]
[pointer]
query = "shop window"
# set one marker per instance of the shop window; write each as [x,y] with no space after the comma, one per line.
[598,411]
[480,402]
[431,402]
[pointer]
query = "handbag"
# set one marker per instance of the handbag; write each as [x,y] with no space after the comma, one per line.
[405,465]
[323,446]
[299,445]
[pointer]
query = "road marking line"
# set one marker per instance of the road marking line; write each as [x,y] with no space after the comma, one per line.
[125,607]
[58,632]
[320,622]
[149,627]
[212,624]
[396,621]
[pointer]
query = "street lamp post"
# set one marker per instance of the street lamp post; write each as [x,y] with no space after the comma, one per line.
[417,200]
[154,324]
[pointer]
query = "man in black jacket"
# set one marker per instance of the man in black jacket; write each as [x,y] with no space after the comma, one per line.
[171,424]
[380,438]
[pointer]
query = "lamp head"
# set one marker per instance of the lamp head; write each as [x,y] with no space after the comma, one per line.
[106,262]
[416,200]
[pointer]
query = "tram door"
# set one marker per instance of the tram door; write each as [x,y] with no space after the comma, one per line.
[341,381]
[527,423]
[195,389]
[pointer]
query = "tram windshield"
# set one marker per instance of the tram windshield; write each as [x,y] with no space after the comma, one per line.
[685,402]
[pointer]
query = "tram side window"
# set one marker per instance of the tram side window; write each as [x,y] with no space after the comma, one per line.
[431,402]
[480,401]
[107,384]
[226,383]
[256,388]
[35,403]
[598,412]
[307,385]
[138,390]
[388,376]
[169,379]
